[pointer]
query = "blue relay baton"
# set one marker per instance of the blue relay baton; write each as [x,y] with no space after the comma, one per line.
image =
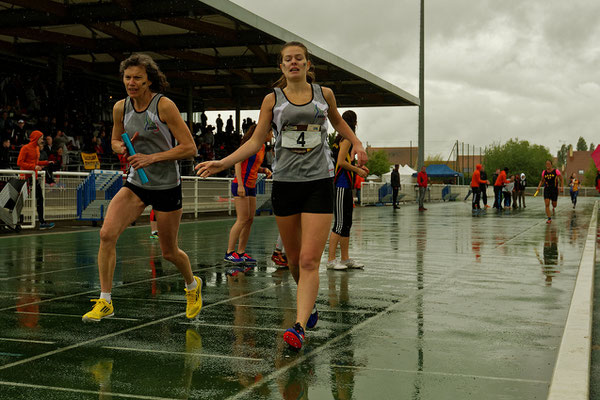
[131,152]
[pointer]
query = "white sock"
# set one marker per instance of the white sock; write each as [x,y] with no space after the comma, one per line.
[106,296]
[191,286]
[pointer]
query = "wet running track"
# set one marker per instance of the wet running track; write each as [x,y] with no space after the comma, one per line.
[449,306]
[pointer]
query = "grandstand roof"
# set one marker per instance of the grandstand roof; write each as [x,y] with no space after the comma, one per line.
[226,54]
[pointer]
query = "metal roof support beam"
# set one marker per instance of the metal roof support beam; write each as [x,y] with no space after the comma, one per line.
[52,37]
[117,32]
[45,6]
[196,25]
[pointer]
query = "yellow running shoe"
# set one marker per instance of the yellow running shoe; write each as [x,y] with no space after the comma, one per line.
[102,309]
[194,299]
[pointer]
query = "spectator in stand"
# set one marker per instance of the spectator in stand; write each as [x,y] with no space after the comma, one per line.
[61,141]
[203,120]
[5,122]
[19,134]
[52,129]
[229,127]
[422,183]
[395,182]
[29,159]
[46,150]
[5,154]
[219,124]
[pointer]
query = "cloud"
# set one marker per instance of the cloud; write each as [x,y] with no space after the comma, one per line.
[494,69]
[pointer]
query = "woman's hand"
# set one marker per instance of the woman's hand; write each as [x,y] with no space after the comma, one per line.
[268,173]
[241,190]
[140,160]
[208,168]
[361,155]
[363,172]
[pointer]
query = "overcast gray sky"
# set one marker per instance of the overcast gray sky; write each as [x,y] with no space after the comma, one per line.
[494,69]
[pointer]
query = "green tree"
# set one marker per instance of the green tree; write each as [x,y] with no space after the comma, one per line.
[592,147]
[331,138]
[561,156]
[378,163]
[581,144]
[518,156]
[589,177]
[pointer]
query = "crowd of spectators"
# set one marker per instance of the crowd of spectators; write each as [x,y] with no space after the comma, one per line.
[64,116]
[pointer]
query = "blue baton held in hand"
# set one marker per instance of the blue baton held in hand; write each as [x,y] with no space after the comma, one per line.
[131,152]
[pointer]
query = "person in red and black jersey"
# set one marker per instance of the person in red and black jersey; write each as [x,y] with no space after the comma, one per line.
[551,178]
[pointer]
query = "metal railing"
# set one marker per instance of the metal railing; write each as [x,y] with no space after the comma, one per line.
[370,192]
[199,195]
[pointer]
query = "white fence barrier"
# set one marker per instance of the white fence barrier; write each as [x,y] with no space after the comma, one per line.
[370,192]
[60,200]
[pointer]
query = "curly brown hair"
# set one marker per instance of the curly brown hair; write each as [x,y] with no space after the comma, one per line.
[155,75]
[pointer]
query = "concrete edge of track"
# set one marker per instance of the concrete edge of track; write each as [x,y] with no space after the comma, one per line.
[571,376]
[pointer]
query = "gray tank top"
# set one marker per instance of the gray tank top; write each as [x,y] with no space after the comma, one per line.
[300,131]
[154,137]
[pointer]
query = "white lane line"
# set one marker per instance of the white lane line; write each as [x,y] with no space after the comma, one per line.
[107,336]
[70,315]
[320,310]
[183,353]
[408,371]
[225,326]
[94,392]
[26,341]
[68,296]
[571,376]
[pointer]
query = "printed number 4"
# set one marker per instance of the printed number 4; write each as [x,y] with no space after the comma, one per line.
[301,140]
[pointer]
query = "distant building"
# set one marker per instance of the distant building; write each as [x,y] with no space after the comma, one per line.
[398,155]
[578,162]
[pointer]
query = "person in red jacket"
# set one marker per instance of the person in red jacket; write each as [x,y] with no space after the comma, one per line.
[422,183]
[476,183]
[29,159]
[498,185]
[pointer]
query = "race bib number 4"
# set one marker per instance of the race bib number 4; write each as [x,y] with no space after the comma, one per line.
[301,137]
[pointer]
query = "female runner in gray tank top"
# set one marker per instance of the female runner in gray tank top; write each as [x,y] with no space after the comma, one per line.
[302,196]
[153,123]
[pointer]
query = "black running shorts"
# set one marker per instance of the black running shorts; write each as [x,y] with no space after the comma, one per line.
[291,198]
[161,200]
[551,193]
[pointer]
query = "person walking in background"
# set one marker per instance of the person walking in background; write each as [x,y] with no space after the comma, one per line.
[522,182]
[29,159]
[574,184]
[476,183]
[507,191]
[395,182]
[422,183]
[494,178]
[499,186]
[483,186]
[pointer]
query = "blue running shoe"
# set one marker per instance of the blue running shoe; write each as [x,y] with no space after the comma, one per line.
[233,258]
[294,336]
[313,319]
[47,225]
[234,271]
[247,258]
